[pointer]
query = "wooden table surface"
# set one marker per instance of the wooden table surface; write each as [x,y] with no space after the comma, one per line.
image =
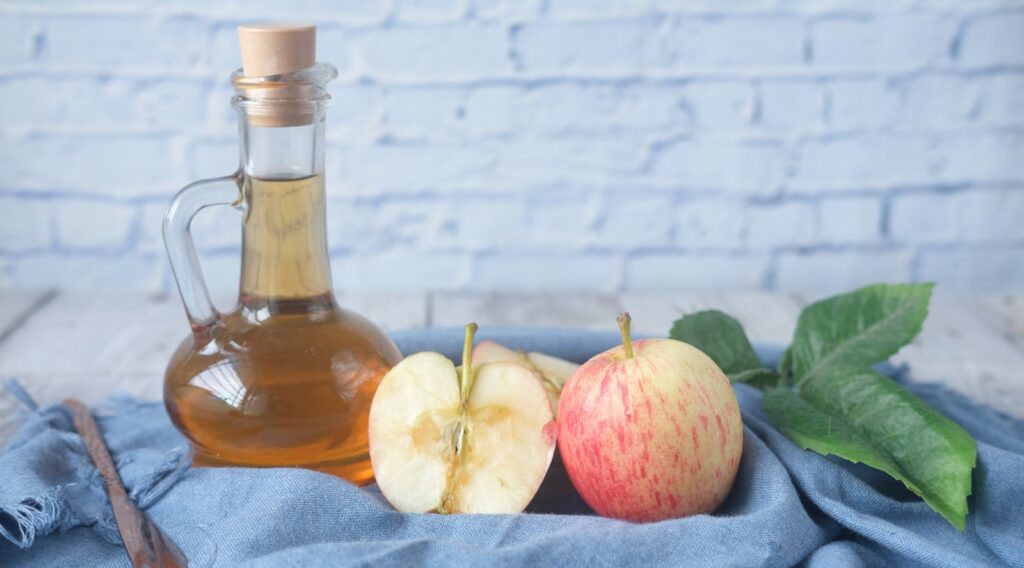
[93,345]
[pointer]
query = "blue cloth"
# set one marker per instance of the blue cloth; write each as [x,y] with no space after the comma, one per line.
[787,506]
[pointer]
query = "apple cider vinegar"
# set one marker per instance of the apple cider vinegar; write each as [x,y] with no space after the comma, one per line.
[286,377]
[278,392]
[284,241]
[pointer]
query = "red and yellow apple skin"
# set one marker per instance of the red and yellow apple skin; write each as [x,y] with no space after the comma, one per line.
[652,437]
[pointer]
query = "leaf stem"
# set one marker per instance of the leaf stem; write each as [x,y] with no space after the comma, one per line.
[627,341]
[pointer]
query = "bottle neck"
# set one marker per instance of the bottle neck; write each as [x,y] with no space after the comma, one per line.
[285,263]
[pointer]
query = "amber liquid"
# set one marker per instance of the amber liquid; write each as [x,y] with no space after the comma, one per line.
[287,377]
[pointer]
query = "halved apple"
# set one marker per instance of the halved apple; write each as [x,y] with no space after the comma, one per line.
[552,370]
[477,439]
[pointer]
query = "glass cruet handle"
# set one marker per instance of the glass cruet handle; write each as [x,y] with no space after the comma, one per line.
[181,249]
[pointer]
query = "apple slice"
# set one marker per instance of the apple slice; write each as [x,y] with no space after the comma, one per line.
[552,370]
[478,439]
[488,351]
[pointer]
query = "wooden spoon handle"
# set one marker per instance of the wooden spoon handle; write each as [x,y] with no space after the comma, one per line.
[146,544]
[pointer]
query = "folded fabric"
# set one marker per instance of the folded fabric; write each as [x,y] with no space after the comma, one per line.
[787,506]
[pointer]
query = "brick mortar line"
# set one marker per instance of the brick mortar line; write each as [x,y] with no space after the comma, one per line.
[402,79]
[753,135]
[688,193]
[883,246]
[390,16]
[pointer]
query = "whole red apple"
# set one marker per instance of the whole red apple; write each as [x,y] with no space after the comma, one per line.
[650,430]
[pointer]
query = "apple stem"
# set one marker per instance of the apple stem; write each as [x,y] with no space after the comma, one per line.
[467,361]
[627,341]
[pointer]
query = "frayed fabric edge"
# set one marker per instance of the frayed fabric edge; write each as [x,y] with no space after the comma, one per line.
[36,516]
[17,391]
[152,486]
[52,511]
[147,491]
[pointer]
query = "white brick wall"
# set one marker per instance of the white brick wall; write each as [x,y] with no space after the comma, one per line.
[524,144]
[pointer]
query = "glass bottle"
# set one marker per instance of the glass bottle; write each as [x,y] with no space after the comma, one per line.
[285,378]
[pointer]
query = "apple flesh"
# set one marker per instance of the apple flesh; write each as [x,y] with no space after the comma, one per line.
[477,439]
[650,430]
[552,370]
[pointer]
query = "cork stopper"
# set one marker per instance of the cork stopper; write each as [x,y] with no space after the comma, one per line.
[277,49]
[274,49]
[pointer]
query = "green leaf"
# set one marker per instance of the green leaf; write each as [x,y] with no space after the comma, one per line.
[858,329]
[814,429]
[760,378]
[721,337]
[785,366]
[862,416]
